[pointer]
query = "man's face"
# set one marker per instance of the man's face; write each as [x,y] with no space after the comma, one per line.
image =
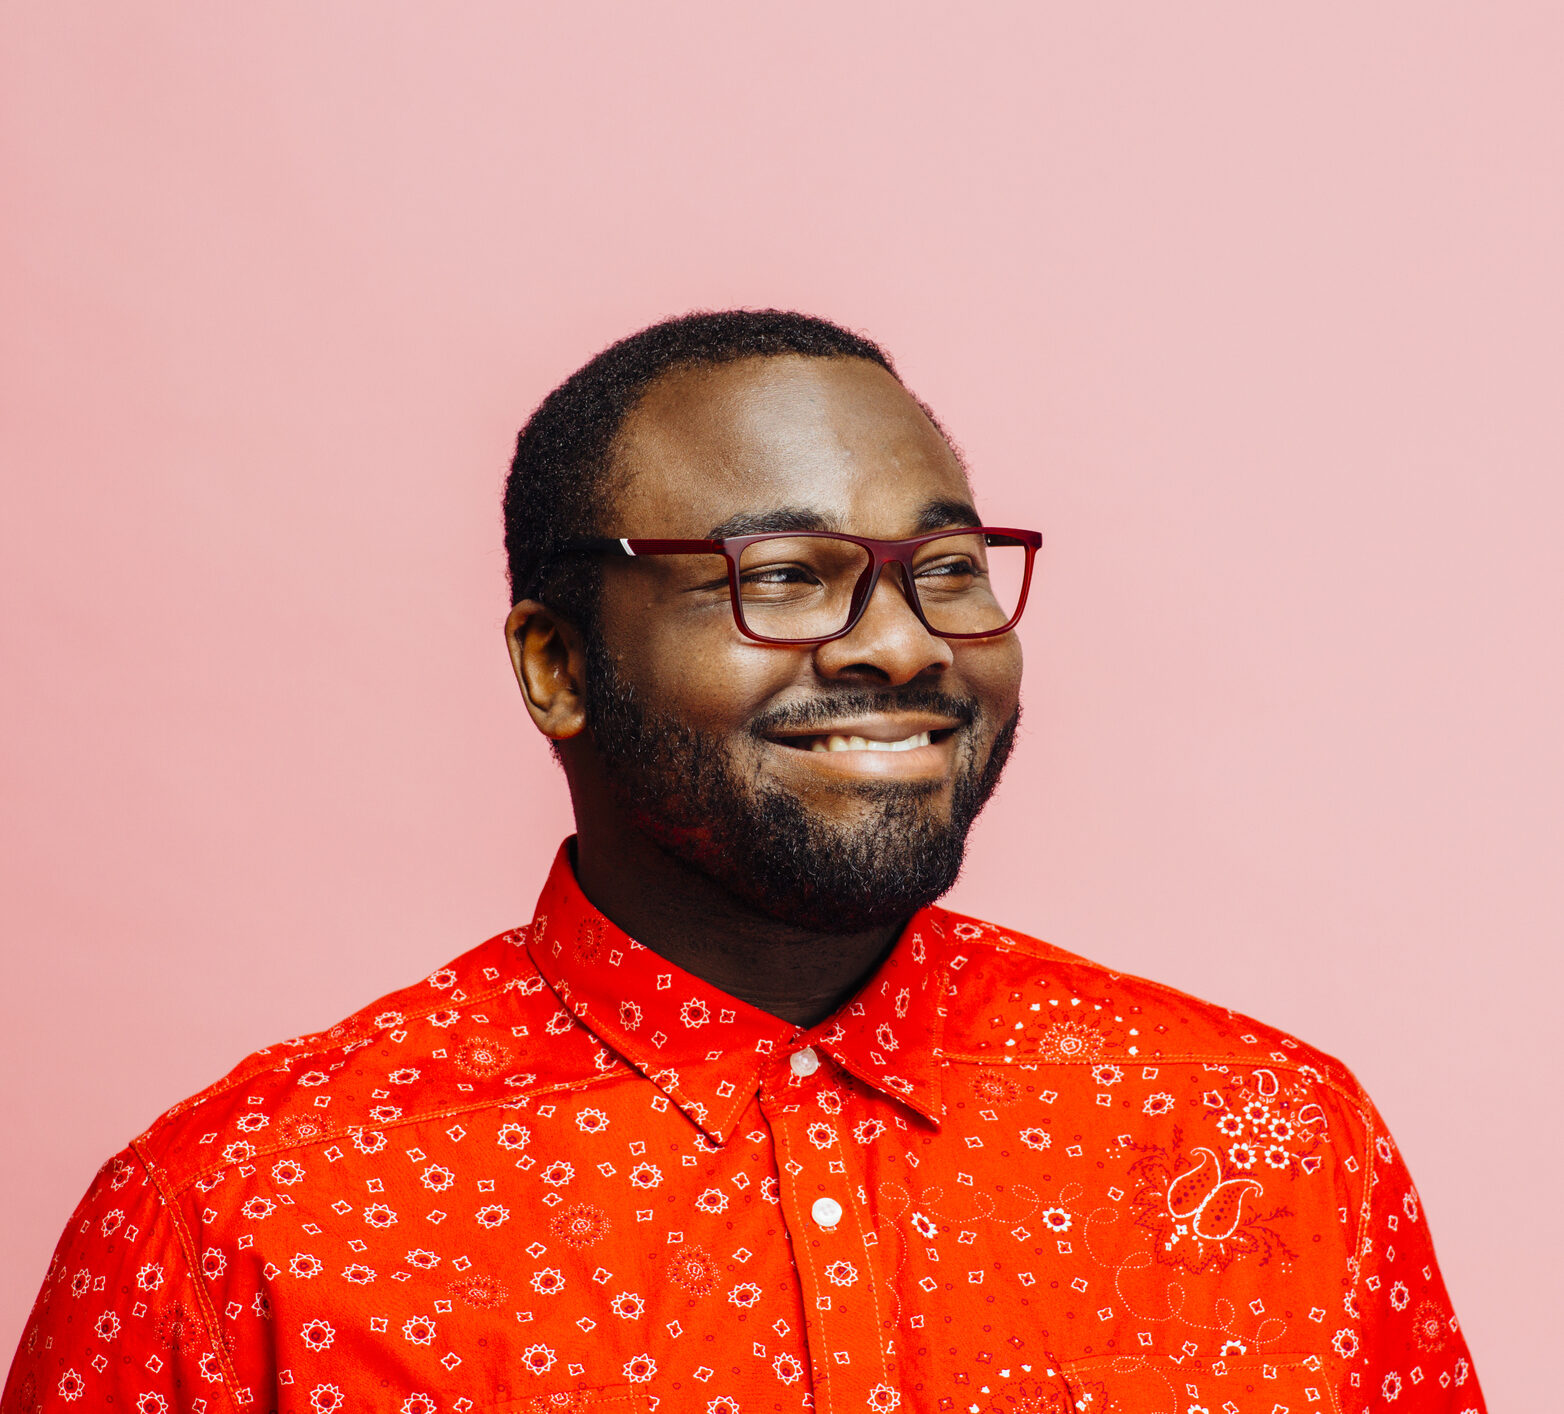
[708,737]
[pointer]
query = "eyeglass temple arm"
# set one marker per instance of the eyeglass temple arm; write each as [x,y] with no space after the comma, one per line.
[628,548]
[631,547]
[634,546]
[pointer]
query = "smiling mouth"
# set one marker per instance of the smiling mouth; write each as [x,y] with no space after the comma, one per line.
[871,738]
[863,743]
[833,742]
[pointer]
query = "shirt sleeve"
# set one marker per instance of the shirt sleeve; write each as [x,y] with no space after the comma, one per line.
[1405,1348]
[121,1323]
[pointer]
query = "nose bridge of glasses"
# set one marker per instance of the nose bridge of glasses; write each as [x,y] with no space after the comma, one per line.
[899,560]
[902,587]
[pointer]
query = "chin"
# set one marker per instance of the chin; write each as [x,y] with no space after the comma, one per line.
[828,875]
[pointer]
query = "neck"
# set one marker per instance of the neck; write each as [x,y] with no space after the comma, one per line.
[695,923]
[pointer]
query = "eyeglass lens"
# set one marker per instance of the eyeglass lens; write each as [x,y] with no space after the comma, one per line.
[804,586]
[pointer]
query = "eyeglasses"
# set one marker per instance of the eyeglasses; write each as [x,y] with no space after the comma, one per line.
[812,586]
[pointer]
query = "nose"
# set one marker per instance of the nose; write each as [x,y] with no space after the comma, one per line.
[889,643]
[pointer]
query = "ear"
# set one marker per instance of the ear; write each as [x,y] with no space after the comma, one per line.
[550,663]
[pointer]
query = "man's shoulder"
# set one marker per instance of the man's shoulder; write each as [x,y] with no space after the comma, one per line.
[1014,997]
[482,1031]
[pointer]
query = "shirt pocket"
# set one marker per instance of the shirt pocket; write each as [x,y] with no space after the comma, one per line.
[610,1399]
[1158,1384]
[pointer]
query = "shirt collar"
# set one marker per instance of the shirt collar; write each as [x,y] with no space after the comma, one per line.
[709,1052]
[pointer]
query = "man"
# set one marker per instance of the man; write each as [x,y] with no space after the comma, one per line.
[741,1120]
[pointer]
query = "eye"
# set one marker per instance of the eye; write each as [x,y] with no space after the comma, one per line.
[778,584]
[951,569]
[777,574]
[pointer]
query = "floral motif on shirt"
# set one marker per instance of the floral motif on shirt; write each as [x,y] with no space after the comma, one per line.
[560,1173]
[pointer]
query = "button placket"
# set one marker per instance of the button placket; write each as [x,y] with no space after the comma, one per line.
[832,1251]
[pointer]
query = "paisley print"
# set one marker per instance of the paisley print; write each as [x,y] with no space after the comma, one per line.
[561,1174]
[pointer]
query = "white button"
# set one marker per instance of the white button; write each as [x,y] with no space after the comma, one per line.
[826,1211]
[804,1062]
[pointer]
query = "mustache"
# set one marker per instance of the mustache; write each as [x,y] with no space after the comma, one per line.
[820,713]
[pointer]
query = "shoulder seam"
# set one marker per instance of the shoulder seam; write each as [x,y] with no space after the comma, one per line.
[1366,1117]
[233,1081]
[1353,1097]
[471,1107]
[1049,953]
[187,1246]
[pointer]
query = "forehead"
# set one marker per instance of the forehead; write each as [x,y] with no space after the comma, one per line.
[838,438]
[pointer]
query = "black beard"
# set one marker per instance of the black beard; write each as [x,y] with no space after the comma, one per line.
[680,788]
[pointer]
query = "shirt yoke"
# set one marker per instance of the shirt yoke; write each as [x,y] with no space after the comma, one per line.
[489,1032]
[1015,998]
[484,1031]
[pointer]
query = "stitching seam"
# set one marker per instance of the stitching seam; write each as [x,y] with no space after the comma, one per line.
[202,1296]
[472,1107]
[233,1082]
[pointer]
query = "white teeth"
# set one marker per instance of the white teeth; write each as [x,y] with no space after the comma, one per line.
[861,743]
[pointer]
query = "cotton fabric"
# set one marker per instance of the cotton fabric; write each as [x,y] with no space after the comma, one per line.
[562,1174]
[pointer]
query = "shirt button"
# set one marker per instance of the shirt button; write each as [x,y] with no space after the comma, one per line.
[804,1062]
[826,1211]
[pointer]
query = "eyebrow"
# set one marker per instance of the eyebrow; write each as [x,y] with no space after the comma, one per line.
[935,515]
[782,519]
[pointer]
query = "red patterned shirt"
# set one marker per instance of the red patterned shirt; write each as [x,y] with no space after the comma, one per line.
[562,1174]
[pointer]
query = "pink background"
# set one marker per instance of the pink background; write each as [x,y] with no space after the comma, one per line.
[1254,310]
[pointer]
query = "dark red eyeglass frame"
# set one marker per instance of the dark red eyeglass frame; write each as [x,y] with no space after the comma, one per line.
[881,554]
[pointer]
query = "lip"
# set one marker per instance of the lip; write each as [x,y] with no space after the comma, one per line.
[918,763]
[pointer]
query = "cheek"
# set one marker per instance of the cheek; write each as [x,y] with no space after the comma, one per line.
[992,673]
[716,693]
[713,681]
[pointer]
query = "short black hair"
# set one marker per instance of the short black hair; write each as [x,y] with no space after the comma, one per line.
[554,492]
